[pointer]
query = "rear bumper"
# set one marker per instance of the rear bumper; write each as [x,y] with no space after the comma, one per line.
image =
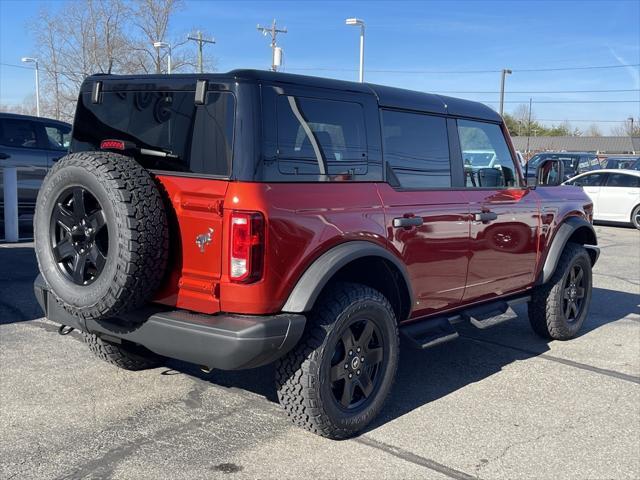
[225,341]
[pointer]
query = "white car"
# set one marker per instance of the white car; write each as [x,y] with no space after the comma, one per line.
[615,194]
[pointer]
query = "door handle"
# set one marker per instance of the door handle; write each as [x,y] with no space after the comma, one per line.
[407,222]
[4,156]
[485,217]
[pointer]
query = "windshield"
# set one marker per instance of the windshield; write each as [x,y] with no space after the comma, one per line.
[194,138]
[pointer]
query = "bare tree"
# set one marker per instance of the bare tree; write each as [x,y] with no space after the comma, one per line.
[593,131]
[629,128]
[84,37]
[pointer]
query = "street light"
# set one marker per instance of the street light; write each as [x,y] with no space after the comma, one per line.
[360,23]
[166,45]
[33,60]
[505,72]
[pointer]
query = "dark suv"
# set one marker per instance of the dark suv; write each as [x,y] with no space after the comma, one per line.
[32,145]
[233,220]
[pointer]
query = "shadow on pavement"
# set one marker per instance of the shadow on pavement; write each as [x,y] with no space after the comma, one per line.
[18,269]
[427,375]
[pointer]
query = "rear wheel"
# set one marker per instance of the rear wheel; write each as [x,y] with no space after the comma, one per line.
[127,356]
[635,217]
[337,378]
[558,308]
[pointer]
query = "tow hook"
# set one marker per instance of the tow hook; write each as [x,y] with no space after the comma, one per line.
[65,330]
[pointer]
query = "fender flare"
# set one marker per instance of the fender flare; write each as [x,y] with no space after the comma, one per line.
[318,274]
[559,241]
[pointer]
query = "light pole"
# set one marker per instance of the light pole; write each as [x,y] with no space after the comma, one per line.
[35,61]
[166,45]
[360,23]
[631,132]
[505,72]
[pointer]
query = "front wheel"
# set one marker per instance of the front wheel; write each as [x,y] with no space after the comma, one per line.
[558,308]
[337,378]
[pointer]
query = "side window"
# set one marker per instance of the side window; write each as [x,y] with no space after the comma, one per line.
[622,180]
[321,137]
[416,150]
[17,133]
[593,180]
[486,156]
[58,137]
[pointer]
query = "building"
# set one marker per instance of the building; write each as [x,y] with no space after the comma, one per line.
[599,145]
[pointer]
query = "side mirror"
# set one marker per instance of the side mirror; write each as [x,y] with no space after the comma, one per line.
[490,177]
[550,172]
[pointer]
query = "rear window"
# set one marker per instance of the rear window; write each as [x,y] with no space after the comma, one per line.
[320,137]
[183,137]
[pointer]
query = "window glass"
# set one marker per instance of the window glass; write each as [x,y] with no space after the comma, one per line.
[58,137]
[593,180]
[17,133]
[416,150]
[622,180]
[195,139]
[486,156]
[321,137]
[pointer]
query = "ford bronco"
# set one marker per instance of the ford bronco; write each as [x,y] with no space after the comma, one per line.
[234,220]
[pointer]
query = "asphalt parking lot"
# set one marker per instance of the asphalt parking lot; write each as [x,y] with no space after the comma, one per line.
[495,404]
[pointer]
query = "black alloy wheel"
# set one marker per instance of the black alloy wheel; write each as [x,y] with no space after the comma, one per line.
[355,365]
[79,235]
[574,292]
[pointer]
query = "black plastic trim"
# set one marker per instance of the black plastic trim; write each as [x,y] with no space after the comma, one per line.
[224,341]
[314,279]
[563,233]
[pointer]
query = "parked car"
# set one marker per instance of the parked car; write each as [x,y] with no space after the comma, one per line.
[615,194]
[32,144]
[574,163]
[627,163]
[234,220]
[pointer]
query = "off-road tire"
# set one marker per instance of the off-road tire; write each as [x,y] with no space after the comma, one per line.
[635,217]
[301,376]
[126,355]
[136,220]
[546,314]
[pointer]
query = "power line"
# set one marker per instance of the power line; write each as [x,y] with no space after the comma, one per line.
[558,69]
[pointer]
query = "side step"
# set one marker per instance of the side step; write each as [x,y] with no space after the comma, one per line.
[492,314]
[429,333]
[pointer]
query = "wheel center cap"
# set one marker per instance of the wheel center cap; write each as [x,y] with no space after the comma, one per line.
[355,363]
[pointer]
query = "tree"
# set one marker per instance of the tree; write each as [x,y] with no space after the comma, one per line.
[629,128]
[84,37]
[593,131]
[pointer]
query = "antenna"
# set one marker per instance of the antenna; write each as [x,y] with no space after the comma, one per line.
[273,31]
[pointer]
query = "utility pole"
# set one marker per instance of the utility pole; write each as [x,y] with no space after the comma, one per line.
[505,72]
[273,31]
[631,131]
[201,41]
[35,61]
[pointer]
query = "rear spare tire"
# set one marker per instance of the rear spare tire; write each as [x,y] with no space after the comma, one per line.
[101,236]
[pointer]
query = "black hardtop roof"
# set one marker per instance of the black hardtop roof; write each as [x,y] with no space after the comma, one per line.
[390,97]
[32,118]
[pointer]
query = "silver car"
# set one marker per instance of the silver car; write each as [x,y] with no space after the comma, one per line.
[32,144]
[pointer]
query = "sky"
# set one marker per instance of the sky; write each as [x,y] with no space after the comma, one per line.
[453,47]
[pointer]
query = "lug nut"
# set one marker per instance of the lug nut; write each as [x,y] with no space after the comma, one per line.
[362,359]
[351,353]
[346,365]
[351,375]
[358,349]
[358,372]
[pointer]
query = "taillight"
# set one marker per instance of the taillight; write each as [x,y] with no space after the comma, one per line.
[247,247]
[112,145]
